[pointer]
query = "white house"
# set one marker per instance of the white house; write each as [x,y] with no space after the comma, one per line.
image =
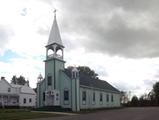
[16,95]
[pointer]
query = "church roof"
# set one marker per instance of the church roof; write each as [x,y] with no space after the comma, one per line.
[93,82]
[55,37]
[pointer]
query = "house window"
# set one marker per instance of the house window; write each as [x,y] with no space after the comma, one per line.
[101,97]
[24,100]
[112,98]
[30,100]
[43,96]
[107,97]
[94,96]
[66,95]
[9,89]
[84,96]
[49,80]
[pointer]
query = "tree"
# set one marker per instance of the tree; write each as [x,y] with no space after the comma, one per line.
[156,91]
[134,101]
[14,79]
[124,97]
[35,89]
[86,71]
[152,98]
[20,80]
[143,100]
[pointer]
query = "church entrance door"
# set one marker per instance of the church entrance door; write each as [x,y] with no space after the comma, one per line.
[50,100]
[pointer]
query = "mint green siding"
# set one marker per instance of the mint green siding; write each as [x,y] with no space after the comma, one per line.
[90,104]
[65,84]
[40,90]
[52,68]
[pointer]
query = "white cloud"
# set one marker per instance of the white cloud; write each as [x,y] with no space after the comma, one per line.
[31,21]
[126,74]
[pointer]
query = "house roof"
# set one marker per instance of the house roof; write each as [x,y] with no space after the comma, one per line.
[26,89]
[3,80]
[93,82]
[16,86]
[22,88]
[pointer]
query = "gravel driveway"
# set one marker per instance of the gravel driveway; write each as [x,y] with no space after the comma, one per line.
[143,113]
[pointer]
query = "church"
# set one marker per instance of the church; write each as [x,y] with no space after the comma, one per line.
[69,88]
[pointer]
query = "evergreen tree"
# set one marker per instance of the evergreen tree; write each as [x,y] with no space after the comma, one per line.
[14,79]
[134,101]
[18,80]
[156,91]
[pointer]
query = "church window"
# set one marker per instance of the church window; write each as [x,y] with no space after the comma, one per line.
[101,97]
[43,96]
[49,78]
[50,53]
[24,100]
[66,95]
[93,96]
[59,53]
[107,97]
[74,74]
[84,96]
[112,98]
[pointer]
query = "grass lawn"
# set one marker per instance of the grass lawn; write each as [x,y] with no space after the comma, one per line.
[20,114]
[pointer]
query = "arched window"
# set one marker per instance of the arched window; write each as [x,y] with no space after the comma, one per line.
[74,75]
[59,52]
[50,53]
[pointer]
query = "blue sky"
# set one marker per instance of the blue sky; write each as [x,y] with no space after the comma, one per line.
[8,55]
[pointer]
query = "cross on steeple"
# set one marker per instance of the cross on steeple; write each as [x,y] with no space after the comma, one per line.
[55,12]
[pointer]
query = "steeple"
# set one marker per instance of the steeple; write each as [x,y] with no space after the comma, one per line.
[54,37]
[54,47]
